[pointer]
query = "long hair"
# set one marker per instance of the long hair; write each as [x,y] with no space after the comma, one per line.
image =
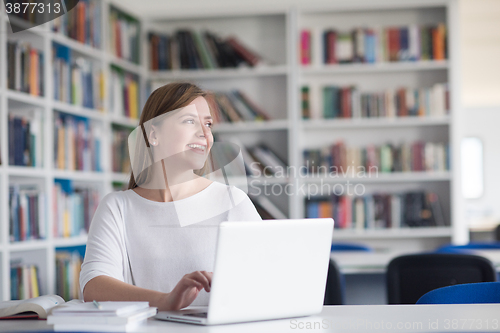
[167,98]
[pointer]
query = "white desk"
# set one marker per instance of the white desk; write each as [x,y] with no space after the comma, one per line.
[347,318]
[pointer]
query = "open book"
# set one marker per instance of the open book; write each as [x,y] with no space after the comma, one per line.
[38,307]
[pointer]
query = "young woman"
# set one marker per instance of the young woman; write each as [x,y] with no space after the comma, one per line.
[156,241]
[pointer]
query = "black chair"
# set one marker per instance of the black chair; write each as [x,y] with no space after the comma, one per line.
[335,285]
[411,276]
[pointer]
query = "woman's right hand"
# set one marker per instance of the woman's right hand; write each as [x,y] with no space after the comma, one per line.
[187,289]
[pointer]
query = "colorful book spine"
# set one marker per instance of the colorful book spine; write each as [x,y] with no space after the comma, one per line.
[77,144]
[124,35]
[378,210]
[25,139]
[25,68]
[83,23]
[78,80]
[26,213]
[124,94]
[370,160]
[235,106]
[370,45]
[24,281]
[68,266]
[120,155]
[73,208]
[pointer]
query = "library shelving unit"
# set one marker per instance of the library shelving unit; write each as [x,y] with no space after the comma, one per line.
[274,85]
[99,118]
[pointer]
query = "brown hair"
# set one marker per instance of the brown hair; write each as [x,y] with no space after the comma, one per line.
[167,98]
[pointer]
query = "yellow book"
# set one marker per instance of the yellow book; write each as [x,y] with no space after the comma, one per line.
[66,224]
[60,148]
[33,72]
[132,99]
[34,282]
[102,90]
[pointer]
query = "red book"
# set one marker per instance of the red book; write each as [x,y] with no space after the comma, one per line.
[118,39]
[331,39]
[402,107]
[305,47]
[80,25]
[346,102]
[154,41]
[394,44]
[249,56]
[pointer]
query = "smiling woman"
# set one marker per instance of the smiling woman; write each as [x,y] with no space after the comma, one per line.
[156,241]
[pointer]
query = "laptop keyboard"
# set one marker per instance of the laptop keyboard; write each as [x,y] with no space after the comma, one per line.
[199,314]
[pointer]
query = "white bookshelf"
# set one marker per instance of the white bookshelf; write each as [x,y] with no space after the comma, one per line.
[276,88]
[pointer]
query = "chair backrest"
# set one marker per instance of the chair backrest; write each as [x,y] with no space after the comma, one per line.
[335,285]
[468,293]
[411,276]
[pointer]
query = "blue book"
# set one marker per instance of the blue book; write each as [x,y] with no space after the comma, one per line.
[312,209]
[404,44]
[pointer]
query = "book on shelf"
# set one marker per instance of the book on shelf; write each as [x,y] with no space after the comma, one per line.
[24,281]
[378,210]
[27,213]
[25,68]
[25,137]
[376,44]
[349,102]
[68,266]
[119,143]
[36,307]
[124,93]
[77,143]
[189,49]
[266,208]
[82,24]
[339,160]
[73,208]
[124,31]
[235,106]
[77,80]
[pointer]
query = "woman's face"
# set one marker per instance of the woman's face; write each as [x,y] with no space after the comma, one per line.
[185,137]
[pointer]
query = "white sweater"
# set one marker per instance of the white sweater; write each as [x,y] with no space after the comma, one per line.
[142,242]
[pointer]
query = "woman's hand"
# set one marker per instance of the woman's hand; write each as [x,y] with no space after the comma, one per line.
[187,289]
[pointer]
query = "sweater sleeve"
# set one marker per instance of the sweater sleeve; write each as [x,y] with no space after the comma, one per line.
[105,252]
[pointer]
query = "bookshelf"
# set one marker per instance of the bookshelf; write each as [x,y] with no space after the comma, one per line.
[274,85]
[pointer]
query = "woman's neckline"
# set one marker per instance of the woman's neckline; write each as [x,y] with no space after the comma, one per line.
[172,202]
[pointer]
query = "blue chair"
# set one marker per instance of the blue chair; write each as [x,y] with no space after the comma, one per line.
[350,247]
[469,293]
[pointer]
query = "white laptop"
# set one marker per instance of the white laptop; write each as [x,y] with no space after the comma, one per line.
[264,270]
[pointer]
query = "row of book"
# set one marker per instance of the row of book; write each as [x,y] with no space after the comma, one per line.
[27,207]
[350,102]
[25,68]
[124,32]
[379,210]
[260,160]
[73,208]
[25,139]
[77,80]
[350,161]
[124,93]
[266,208]
[373,45]
[77,144]
[188,49]
[24,281]
[68,266]
[83,23]
[236,106]
[119,147]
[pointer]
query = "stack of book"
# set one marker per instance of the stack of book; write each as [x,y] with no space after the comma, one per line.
[82,24]
[124,93]
[124,31]
[372,45]
[73,208]
[187,49]
[77,80]
[379,210]
[24,281]
[350,102]
[266,208]
[26,213]
[68,266]
[101,316]
[25,140]
[25,68]
[77,144]
[120,156]
[338,159]
[236,106]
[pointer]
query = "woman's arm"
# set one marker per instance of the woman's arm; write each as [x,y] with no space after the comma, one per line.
[105,288]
